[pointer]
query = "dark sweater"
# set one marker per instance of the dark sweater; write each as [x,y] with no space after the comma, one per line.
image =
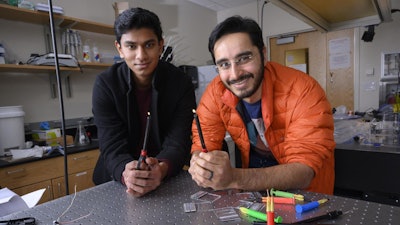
[116,113]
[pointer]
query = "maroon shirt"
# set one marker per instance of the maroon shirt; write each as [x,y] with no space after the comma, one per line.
[143,98]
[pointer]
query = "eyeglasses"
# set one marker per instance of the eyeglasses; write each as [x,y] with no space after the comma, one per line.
[239,61]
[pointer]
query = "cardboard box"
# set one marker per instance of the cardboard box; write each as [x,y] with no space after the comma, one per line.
[60,141]
[38,135]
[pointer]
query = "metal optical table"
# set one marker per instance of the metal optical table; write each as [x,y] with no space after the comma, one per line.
[110,204]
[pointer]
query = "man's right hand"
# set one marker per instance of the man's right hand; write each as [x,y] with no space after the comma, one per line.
[212,169]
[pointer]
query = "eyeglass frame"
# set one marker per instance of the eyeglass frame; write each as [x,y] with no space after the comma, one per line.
[240,60]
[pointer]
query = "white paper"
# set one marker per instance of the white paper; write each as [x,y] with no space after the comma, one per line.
[339,61]
[301,67]
[339,46]
[339,53]
[10,202]
[31,199]
[26,153]
[5,195]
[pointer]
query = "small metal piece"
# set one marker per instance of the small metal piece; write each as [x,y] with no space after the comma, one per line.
[189,207]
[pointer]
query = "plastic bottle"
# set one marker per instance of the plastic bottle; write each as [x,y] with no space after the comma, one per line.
[96,54]
[86,52]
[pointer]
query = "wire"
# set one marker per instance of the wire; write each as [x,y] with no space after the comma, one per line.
[72,202]
[70,205]
[262,14]
[394,10]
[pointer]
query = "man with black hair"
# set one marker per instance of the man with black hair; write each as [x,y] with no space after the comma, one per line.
[124,94]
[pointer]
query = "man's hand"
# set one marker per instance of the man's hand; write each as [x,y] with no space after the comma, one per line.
[148,178]
[212,169]
[216,165]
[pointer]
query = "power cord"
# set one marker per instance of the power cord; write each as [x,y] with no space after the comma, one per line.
[262,13]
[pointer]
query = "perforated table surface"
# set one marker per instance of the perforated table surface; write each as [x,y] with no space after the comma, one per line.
[110,204]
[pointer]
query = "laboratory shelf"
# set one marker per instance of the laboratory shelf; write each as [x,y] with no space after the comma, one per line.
[45,69]
[94,65]
[36,17]
[32,68]
[29,16]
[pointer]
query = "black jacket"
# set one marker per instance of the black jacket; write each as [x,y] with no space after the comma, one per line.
[116,117]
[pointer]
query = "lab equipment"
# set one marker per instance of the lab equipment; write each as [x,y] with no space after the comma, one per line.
[81,136]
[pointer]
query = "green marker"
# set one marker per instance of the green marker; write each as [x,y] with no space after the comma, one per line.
[287,195]
[259,215]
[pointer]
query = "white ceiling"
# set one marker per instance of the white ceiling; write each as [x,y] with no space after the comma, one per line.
[218,5]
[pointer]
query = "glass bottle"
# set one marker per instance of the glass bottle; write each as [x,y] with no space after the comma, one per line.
[81,137]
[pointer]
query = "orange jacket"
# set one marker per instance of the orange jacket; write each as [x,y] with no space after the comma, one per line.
[297,117]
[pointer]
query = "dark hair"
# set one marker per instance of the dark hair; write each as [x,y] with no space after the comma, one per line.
[237,24]
[137,18]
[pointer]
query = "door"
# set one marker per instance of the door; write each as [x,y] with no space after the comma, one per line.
[315,43]
[337,81]
[340,67]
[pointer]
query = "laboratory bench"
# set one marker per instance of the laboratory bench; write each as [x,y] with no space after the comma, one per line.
[30,174]
[109,203]
[368,172]
[6,161]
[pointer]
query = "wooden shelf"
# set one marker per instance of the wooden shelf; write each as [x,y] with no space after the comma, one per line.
[29,16]
[36,17]
[32,68]
[91,65]
[42,69]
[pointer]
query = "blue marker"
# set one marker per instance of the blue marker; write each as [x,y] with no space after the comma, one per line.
[310,206]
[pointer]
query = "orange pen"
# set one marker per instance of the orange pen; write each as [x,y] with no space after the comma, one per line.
[281,200]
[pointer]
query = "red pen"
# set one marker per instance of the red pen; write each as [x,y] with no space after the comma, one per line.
[203,144]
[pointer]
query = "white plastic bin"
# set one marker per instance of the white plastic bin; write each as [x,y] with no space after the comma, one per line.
[12,132]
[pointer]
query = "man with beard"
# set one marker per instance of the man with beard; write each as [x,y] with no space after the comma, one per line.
[278,117]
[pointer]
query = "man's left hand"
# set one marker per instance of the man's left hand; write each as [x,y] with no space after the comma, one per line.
[140,182]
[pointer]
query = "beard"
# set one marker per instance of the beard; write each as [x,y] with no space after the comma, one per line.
[245,93]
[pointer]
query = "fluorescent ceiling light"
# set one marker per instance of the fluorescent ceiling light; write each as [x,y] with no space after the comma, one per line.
[285,40]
